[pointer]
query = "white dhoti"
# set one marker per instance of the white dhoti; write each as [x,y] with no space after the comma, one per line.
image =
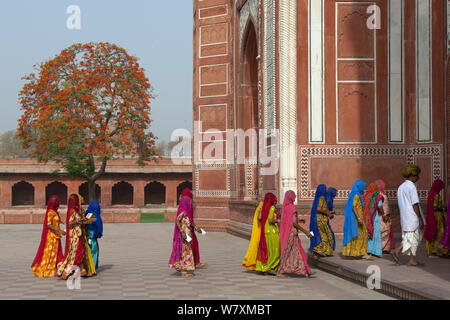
[411,241]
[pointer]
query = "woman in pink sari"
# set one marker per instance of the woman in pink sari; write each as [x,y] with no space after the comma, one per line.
[293,257]
[182,257]
[187,193]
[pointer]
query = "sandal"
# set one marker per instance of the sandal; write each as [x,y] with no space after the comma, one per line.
[395,257]
[418,264]
[184,274]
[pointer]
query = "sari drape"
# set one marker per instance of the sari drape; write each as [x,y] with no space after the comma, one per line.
[316,239]
[387,236]
[49,253]
[269,201]
[293,258]
[177,242]
[250,257]
[431,227]
[350,223]
[445,241]
[74,249]
[94,230]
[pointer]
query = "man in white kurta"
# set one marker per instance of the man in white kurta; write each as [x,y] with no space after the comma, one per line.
[411,216]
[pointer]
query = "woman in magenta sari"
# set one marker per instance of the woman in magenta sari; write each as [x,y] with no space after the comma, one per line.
[435,220]
[293,258]
[187,193]
[182,257]
[445,241]
[49,253]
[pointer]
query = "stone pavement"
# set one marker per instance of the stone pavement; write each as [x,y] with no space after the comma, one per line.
[133,265]
[432,281]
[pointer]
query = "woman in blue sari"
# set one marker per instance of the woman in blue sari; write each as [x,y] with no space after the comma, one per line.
[355,230]
[94,230]
[322,243]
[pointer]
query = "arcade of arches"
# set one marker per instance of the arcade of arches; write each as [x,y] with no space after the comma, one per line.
[26,186]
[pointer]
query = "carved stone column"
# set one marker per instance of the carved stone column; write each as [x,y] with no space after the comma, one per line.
[288,96]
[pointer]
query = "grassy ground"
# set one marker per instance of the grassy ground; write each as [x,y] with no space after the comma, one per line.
[152,217]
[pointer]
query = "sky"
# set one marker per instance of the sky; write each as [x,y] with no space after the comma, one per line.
[158,32]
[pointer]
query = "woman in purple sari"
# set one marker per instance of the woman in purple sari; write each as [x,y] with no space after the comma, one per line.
[182,258]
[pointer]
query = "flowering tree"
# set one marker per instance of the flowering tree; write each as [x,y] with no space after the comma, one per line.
[87,105]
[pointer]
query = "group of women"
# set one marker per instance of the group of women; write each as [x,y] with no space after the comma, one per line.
[368,228]
[81,249]
[275,246]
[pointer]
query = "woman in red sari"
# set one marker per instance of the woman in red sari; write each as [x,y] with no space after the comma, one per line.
[75,248]
[49,253]
[195,249]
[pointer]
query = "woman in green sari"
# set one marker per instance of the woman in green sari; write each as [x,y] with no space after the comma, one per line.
[268,257]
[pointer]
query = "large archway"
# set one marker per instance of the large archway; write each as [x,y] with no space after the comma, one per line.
[83,190]
[56,189]
[247,115]
[181,187]
[22,194]
[122,194]
[155,193]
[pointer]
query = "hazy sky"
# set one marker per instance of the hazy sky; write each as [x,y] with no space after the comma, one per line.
[158,32]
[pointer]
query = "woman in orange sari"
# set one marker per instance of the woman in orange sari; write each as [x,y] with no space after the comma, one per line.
[75,247]
[49,253]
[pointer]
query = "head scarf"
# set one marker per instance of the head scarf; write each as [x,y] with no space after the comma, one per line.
[410,170]
[269,201]
[331,194]
[97,225]
[53,204]
[445,240]
[431,225]
[381,186]
[371,189]
[350,224]
[186,192]
[329,197]
[321,191]
[177,244]
[286,217]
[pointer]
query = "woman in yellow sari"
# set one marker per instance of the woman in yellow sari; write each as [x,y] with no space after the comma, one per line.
[269,249]
[250,258]
[50,251]
[356,236]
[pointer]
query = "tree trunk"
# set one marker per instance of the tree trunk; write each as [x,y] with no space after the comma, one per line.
[91,188]
[93,178]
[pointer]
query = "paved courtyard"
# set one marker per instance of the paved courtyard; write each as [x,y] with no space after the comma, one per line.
[133,265]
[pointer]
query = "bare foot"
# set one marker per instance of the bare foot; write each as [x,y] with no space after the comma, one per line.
[186,275]
[201,265]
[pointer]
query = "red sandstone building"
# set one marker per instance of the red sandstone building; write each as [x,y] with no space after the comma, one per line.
[354,89]
[124,191]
